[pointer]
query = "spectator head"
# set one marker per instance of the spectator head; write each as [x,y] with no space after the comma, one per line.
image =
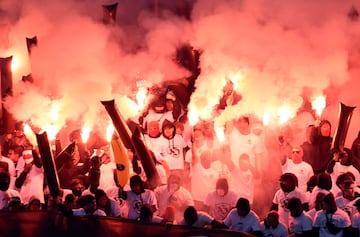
[4,181]
[243,207]
[325,128]
[288,182]
[146,214]
[324,181]
[173,182]
[222,187]
[88,203]
[295,207]
[272,219]
[136,184]
[34,204]
[328,203]
[190,215]
[153,129]
[77,186]
[318,200]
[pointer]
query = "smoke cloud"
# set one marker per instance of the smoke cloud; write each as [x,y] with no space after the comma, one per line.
[277,54]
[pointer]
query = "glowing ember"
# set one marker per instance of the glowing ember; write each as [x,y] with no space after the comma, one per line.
[318,104]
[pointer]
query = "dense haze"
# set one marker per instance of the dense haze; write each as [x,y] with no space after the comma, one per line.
[277,52]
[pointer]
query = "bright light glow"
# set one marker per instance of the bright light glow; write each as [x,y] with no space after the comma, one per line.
[51,131]
[109,132]
[235,78]
[220,134]
[193,117]
[85,134]
[266,118]
[54,111]
[141,96]
[15,64]
[284,115]
[29,133]
[318,104]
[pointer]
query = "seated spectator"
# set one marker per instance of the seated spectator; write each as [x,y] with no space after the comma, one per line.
[271,226]
[7,194]
[219,202]
[242,218]
[173,194]
[147,215]
[108,205]
[88,207]
[356,219]
[139,196]
[194,218]
[34,204]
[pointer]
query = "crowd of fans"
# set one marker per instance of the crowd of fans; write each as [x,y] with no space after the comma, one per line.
[253,181]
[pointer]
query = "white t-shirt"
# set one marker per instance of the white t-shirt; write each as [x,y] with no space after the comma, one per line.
[248,223]
[182,195]
[202,181]
[243,183]
[279,231]
[5,197]
[135,201]
[220,206]
[33,184]
[12,170]
[202,220]
[300,224]
[172,151]
[340,219]
[249,144]
[107,175]
[340,169]
[303,171]
[356,221]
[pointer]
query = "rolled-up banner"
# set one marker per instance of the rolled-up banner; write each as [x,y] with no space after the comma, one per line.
[147,160]
[64,156]
[7,123]
[48,164]
[119,123]
[344,118]
[133,142]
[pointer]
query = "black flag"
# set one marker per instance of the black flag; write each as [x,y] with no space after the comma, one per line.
[30,43]
[109,13]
